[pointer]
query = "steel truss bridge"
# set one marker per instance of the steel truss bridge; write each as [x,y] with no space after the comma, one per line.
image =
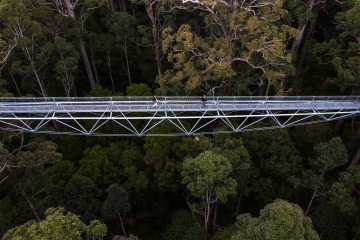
[173,116]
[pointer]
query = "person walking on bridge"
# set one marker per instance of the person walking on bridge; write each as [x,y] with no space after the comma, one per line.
[155,102]
[203,100]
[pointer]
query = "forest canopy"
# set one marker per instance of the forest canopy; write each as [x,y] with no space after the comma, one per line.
[289,183]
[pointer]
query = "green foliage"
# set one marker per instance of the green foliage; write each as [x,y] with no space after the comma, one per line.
[275,159]
[330,155]
[343,50]
[140,89]
[58,224]
[211,62]
[96,230]
[100,91]
[208,172]
[116,202]
[183,225]
[279,220]
[342,192]
[165,155]
[189,71]
[83,197]
[331,222]
[96,165]
[209,47]
[122,23]
[62,170]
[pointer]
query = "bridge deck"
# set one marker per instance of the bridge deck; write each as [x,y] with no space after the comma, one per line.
[136,116]
[174,104]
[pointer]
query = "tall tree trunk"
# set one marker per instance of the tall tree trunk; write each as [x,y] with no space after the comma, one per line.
[122,5]
[127,62]
[304,51]
[311,201]
[215,214]
[122,225]
[355,160]
[155,34]
[315,191]
[33,209]
[268,88]
[297,41]
[14,81]
[238,204]
[70,8]
[112,7]
[41,86]
[337,129]
[85,58]
[137,38]
[94,66]
[109,66]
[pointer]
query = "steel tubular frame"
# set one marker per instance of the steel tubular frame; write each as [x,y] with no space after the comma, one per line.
[136,116]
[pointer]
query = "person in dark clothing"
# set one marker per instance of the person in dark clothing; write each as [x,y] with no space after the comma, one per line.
[203,100]
[155,101]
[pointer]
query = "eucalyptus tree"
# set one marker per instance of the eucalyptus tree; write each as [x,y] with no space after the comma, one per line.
[274,160]
[6,47]
[21,27]
[67,64]
[116,203]
[82,196]
[343,51]
[207,177]
[330,155]
[153,8]
[242,34]
[232,148]
[279,220]
[122,24]
[344,193]
[58,224]
[79,11]
[23,168]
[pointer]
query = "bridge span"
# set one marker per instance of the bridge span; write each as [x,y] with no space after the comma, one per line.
[173,116]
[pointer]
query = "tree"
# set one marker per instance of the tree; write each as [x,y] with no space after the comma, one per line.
[6,47]
[96,165]
[246,34]
[232,148]
[58,224]
[24,167]
[22,28]
[122,24]
[330,155]
[279,220]
[140,89]
[275,159]
[207,179]
[183,226]
[66,66]
[82,197]
[152,9]
[343,51]
[79,11]
[345,192]
[116,203]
